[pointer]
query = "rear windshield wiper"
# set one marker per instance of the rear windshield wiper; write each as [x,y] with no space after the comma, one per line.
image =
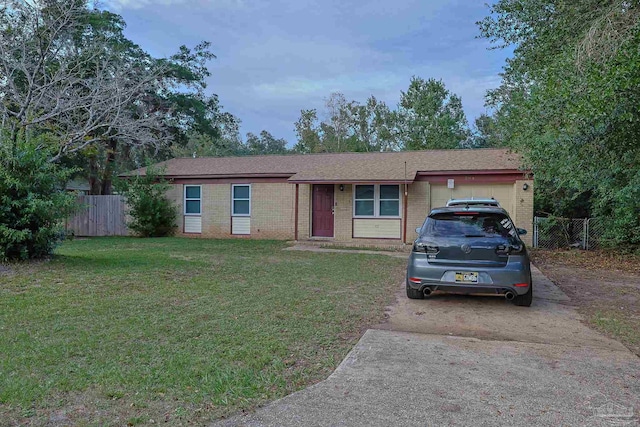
[474,235]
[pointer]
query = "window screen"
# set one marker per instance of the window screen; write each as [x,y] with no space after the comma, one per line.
[192,199]
[241,203]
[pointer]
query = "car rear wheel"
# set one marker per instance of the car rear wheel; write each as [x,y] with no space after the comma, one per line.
[414,293]
[526,299]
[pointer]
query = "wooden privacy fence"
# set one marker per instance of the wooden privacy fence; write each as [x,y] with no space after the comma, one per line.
[99,216]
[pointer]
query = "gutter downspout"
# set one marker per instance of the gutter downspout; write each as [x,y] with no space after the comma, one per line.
[296,213]
[404,216]
[404,231]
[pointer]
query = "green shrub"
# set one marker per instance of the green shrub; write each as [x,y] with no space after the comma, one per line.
[33,203]
[619,212]
[152,214]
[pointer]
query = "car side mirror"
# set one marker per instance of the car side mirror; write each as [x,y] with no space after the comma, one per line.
[418,230]
[521,231]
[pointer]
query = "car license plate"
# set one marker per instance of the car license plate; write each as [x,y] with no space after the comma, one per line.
[467,277]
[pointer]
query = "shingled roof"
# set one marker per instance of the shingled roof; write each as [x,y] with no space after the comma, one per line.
[342,167]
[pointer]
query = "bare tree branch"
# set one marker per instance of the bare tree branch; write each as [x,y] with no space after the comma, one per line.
[83,95]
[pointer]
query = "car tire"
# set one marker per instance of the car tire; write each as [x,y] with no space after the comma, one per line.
[526,299]
[414,293]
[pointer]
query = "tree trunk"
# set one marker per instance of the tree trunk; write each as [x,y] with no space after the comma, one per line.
[94,182]
[107,177]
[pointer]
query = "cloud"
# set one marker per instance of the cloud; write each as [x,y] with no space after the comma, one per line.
[120,5]
[277,57]
[305,87]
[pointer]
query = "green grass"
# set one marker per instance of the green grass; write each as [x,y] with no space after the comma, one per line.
[123,330]
[622,325]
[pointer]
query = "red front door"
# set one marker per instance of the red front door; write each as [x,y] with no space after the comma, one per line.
[322,211]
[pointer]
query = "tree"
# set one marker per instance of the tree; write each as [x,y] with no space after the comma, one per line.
[569,98]
[349,126]
[56,78]
[69,71]
[265,144]
[337,123]
[428,117]
[227,143]
[486,133]
[308,132]
[152,213]
[431,117]
[33,204]
[372,127]
[182,107]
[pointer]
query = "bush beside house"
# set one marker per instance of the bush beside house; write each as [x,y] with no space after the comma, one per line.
[151,213]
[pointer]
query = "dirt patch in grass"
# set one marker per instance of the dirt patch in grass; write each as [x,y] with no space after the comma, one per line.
[605,287]
[110,409]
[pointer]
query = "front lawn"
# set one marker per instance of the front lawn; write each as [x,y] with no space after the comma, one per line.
[121,331]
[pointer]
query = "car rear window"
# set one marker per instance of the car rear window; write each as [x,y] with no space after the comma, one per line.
[469,224]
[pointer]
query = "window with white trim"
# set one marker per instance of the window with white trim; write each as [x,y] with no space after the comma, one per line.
[241,200]
[376,201]
[192,199]
[389,200]
[364,200]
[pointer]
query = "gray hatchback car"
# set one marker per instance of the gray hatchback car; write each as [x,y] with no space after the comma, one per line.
[470,250]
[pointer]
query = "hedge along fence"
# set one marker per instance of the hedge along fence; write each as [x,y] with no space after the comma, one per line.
[99,216]
[557,233]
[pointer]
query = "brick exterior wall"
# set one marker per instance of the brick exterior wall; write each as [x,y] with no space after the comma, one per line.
[523,205]
[273,211]
[418,207]
[216,210]
[343,213]
[304,211]
[174,193]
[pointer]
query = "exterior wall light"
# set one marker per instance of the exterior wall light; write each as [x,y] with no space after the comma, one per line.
[525,186]
[341,187]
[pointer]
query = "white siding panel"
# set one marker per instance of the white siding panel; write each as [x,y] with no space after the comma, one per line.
[377,228]
[241,225]
[192,224]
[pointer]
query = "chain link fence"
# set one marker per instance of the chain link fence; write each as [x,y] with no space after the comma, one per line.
[559,233]
[595,233]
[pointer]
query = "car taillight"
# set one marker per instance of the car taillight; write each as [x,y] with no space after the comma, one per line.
[424,247]
[431,249]
[510,249]
[415,280]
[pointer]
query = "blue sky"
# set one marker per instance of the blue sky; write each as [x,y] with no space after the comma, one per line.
[277,57]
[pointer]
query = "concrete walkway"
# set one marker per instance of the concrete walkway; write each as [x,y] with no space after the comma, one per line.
[476,361]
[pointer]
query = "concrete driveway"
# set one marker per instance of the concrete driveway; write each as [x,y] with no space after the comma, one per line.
[460,360]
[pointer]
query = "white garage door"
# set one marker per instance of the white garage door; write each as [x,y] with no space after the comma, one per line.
[503,193]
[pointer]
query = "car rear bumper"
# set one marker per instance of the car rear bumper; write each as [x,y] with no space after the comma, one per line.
[494,280]
[467,289]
